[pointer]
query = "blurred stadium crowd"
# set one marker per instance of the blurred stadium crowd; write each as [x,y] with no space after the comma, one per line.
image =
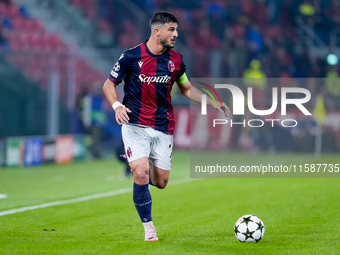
[253,29]
[264,30]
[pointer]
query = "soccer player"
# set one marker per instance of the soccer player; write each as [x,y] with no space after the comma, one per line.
[149,70]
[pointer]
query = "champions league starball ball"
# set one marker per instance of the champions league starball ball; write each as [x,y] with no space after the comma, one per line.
[249,228]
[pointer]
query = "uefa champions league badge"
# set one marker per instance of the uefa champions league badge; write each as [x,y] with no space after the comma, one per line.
[116,67]
[171,66]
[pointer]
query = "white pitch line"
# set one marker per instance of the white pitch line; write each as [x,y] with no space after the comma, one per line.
[82,199]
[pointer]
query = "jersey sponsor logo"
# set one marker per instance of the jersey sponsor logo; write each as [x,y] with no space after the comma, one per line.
[114,74]
[116,67]
[171,66]
[140,63]
[151,79]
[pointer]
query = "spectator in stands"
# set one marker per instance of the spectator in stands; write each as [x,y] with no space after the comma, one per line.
[254,40]
[93,117]
[105,35]
[205,37]
[217,16]
[280,62]
[333,82]
[259,15]
[241,55]
[81,106]
[274,11]
[303,64]
[306,8]
[254,76]
[333,88]
[3,40]
[7,2]
[120,153]
[334,11]
[130,36]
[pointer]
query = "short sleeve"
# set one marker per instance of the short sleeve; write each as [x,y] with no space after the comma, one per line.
[120,69]
[181,70]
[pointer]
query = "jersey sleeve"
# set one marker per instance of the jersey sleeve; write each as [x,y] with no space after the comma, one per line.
[120,69]
[181,70]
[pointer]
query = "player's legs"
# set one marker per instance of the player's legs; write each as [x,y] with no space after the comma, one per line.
[140,170]
[142,197]
[160,159]
[137,150]
[148,151]
[158,176]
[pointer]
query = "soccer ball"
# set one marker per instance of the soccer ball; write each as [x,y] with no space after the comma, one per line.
[249,228]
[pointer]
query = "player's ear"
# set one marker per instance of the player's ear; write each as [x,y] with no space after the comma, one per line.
[157,32]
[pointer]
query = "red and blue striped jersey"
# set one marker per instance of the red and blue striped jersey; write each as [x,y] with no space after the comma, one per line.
[148,82]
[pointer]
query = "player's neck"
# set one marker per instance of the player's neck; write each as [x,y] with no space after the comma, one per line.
[154,47]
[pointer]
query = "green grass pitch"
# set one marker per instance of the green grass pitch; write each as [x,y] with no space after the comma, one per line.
[192,216]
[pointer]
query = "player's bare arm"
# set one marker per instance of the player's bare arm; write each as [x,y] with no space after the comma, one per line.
[195,95]
[121,111]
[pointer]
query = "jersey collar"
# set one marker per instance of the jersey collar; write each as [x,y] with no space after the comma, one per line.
[153,55]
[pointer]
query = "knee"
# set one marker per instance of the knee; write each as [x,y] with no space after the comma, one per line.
[162,184]
[141,175]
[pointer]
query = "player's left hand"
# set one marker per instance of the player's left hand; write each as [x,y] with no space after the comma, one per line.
[122,116]
[223,109]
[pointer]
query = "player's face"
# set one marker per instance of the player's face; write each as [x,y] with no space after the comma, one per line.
[168,35]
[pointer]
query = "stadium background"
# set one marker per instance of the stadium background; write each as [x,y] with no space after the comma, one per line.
[54,54]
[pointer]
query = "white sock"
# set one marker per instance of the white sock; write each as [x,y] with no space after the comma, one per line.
[148,225]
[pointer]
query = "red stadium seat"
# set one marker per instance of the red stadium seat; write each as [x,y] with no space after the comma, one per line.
[12,11]
[22,40]
[9,11]
[77,3]
[14,45]
[32,48]
[90,13]
[40,62]
[34,41]
[40,77]
[3,9]
[35,26]
[26,23]
[18,24]
[45,43]
[55,42]
[10,37]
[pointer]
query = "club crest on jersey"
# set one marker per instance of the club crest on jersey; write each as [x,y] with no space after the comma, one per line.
[171,66]
[129,152]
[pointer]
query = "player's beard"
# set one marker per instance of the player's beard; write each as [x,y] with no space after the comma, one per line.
[166,44]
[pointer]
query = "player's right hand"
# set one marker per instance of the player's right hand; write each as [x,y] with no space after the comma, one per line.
[223,108]
[122,116]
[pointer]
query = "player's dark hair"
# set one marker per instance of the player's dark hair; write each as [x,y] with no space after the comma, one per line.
[163,17]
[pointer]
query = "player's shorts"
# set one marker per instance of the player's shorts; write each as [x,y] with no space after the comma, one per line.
[147,142]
